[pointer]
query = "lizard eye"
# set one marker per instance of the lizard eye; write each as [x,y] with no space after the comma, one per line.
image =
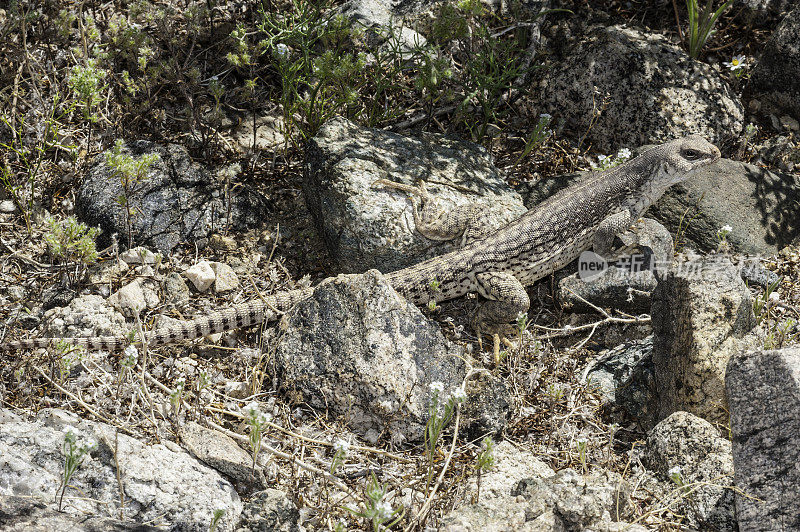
[691,154]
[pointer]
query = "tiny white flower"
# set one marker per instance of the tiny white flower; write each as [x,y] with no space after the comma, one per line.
[582,441]
[624,153]
[437,387]
[675,471]
[458,395]
[281,50]
[736,63]
[726,228]
[131,354]
[383,510]
[774,296]
[341,446]
[545,116]
[251,410]
[602,158]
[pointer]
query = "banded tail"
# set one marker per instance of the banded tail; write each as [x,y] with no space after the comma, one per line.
[235,317]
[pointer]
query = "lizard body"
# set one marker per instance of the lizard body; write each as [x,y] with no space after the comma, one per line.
[497,266]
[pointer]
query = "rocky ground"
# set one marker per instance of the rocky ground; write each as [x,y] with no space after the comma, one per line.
[228,150]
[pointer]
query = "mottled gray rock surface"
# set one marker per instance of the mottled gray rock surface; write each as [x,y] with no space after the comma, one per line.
[775,80]
[23,514]
[702,314]
[623,88]
[359,350]
[692,448]
[760,207]
[764,396]
[221,452]
[625,377]
[366,227]
[628,283]
[546,502]
[163,485]
[178,201]
[270,510]
[88,315]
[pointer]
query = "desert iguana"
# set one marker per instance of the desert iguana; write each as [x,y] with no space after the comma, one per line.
[498,266]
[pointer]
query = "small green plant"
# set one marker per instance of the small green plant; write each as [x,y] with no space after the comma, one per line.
[761,304]
[75,451]
[782,334]
[257,421]
[540,133]
[176,396]
[70,241]
[320,71]
[86,82]
[676,476]
[606,162]
[722,238]
[130,356]
[131,171]
[485,461]
[218,515]
[376,509]
[701,24]
[340,448]
[439,415]
[581,444]
[18,151]
[68,354]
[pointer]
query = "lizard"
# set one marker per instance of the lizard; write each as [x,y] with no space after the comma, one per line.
[497,266]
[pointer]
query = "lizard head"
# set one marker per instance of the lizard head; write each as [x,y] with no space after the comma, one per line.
[682,157]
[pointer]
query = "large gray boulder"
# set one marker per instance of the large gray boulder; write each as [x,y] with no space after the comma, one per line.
[702,314]
[162,484]
[764,396]
[23,514]
[775,81]
[760,207]
[366,227]
[621,87]
[178,201]
[361,351]
[691,450]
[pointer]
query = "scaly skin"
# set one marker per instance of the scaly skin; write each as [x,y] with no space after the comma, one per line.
[498,266]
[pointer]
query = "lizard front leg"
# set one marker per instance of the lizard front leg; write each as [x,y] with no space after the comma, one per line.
[465,222]
[607,230]
[506,298]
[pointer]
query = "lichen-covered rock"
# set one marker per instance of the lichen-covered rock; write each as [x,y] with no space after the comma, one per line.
[623,88]
[692,449]
[366,227]
[24,514]
[764,396]
[702,314]
[177,201]
[162,484]
[759,206]
[361,351]
[88,315]
[775,81]
[547,501]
